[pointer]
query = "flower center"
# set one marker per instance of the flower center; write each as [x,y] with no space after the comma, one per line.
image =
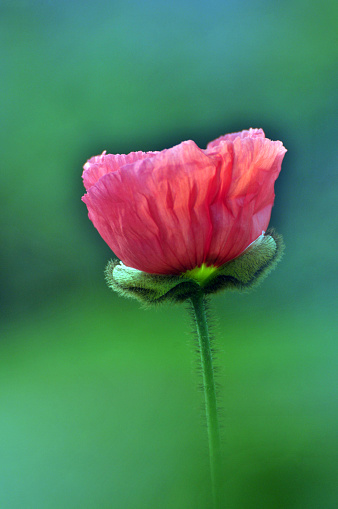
[200,274]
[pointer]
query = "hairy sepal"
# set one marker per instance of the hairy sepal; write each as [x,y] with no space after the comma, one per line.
[242,274]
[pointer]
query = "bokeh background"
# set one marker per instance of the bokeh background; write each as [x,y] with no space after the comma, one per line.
[99,407]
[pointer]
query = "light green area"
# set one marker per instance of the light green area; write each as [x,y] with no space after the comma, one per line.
[201,274]
[100,408]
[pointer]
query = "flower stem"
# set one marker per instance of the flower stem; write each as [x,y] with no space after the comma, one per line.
[198,302]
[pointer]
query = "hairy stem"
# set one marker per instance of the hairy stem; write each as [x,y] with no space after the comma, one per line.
[198,302]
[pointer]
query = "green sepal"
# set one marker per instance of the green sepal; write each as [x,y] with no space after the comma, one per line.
[242,273]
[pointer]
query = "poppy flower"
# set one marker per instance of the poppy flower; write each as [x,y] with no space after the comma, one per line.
[169,212]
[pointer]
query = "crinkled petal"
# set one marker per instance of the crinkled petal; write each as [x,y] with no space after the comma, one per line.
[171,211]
[154,214]
[250,133]
[98,166]
[243,207]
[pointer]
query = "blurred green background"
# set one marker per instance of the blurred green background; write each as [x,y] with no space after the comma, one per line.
[99,407]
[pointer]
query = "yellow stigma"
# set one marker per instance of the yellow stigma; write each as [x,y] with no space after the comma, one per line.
[200,274]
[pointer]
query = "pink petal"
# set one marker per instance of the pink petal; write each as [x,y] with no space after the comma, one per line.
[242,210]
[154,213]
[98,166]
[251,133]
[170,211]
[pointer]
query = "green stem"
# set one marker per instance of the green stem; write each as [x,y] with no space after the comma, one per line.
[198,302]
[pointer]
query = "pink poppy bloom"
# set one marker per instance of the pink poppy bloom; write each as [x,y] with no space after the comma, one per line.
[172,211]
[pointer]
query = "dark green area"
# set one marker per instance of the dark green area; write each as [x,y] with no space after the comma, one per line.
[98,399]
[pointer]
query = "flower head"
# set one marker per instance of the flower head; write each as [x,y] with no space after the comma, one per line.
[172,211]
